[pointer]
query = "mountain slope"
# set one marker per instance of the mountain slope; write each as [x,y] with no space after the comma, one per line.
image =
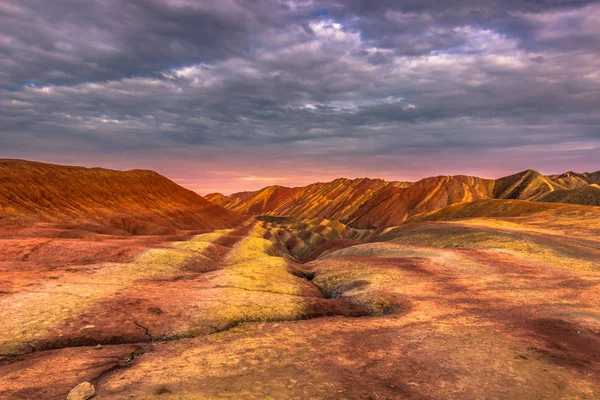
[336,200]
[498,208]
[375,203]
[217,198]
[571,180]
[137,201]
[588,195]
[261,201]
[526,185]
[362,203]
[391,206]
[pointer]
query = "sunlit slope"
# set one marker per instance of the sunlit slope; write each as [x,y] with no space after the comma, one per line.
[217,198]
[392,206]
[555,235]
[569,187]
[375,203]
[335,200]
[200,286]
[136,201]
[570,219]
[492,208]
[262,201]
[573,180]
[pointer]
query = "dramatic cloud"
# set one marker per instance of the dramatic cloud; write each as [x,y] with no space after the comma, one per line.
[233,95]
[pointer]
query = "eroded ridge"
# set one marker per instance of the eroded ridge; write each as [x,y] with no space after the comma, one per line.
[206,284]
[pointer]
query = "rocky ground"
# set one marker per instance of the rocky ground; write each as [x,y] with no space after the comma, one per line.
[449,307]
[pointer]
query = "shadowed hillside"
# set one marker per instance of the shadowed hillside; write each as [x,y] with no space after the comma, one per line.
[136,201]
[588,195]
[526,185]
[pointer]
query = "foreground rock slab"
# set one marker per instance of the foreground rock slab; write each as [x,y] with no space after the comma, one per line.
[83,391]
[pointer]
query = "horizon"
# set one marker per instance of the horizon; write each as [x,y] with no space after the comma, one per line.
[235,95]
[258,188]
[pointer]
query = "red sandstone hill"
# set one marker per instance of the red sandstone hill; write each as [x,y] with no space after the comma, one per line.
[393,206]
[336,200]
[136,201]
[368,203]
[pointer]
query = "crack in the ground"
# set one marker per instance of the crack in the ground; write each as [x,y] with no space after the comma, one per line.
[146,330]
[120,364]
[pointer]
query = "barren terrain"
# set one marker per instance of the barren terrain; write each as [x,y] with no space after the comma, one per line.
[491,298]
[501,307]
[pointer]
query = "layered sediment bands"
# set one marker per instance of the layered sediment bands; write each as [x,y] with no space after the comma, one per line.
[393,206]
[493,298]
[336,200]
[482,298]
[574,180]
[375,203]
[134,202]
[306,240]
[483,322]
[200,286]
[73,304]
[526,185]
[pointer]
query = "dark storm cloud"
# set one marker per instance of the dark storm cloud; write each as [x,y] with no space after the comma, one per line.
[302,79]
[67,41]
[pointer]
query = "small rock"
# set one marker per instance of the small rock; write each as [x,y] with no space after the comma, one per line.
[99,347]
[83,391]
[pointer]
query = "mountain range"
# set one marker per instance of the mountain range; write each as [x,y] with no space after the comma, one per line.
[376,203]
[145,202]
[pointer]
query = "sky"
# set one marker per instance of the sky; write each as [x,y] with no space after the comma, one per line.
[226,96]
